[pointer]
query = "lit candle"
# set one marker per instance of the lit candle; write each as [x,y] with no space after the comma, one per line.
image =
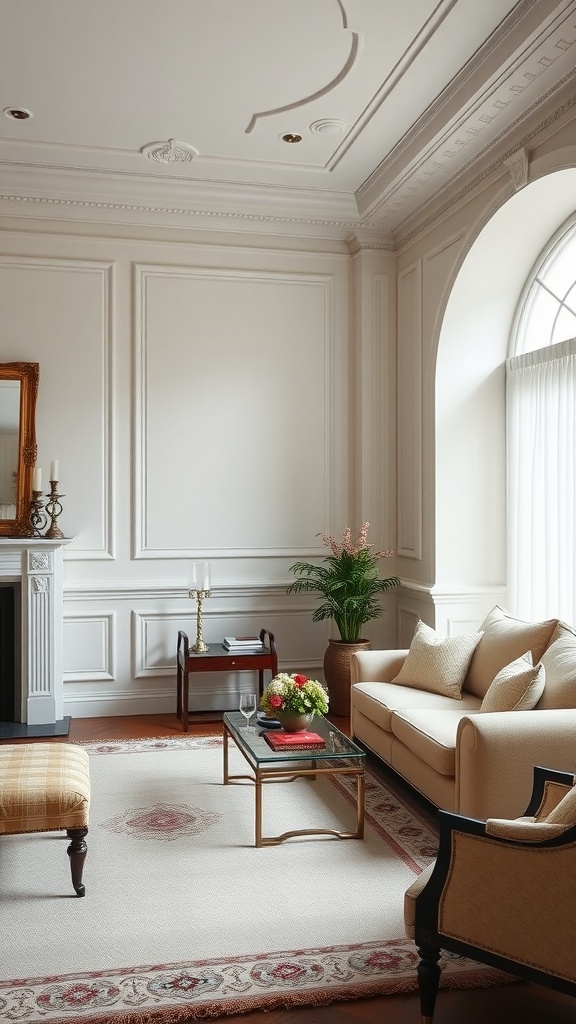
[37,479]
[54,470]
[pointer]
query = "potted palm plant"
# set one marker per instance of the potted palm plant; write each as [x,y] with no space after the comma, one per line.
[349,584]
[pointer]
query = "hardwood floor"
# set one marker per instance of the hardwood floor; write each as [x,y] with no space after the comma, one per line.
[506,1004]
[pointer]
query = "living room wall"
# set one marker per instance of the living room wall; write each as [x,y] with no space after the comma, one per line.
[204,400]
[464,273]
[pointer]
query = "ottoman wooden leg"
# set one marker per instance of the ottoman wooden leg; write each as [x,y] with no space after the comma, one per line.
[77,853]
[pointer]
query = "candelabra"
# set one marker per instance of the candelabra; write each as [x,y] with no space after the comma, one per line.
[199,647]
[54,508]
[200,589]
[37,517]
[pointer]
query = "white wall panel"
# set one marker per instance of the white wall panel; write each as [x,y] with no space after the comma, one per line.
[410,412]
[89,651]
[236,412]
[58,313]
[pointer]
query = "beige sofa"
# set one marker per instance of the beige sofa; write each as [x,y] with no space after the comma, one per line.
[460,751]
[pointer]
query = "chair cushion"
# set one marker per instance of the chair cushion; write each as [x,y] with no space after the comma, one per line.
[505,638]
[44,787]
[410,897]
[435,663]
[559,662]
[517,687]
[523,830]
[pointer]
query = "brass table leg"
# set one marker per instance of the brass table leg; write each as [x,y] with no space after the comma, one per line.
[225,754]
[258,809]
[360,801]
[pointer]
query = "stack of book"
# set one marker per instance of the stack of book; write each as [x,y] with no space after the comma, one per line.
[237,644]
[294,740]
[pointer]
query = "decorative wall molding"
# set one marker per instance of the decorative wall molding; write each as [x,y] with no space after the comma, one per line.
[518,164]
[410,416]
[328,459]
[102,273]
[97,641]
[418,222]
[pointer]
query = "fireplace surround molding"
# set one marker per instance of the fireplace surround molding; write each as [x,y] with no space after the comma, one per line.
[38,566]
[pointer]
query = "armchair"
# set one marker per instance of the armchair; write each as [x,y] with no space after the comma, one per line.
[502,892]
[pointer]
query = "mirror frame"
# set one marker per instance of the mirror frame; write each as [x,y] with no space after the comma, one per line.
[28,374]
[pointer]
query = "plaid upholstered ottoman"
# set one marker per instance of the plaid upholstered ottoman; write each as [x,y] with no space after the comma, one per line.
[45,787]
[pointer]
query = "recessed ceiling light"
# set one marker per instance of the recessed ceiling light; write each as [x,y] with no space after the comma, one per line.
[290,137]
[17,113]
[328,126]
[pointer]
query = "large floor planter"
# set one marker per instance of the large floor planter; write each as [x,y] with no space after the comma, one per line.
[337,673]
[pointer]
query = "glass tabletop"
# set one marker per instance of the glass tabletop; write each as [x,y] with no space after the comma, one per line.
[338,746]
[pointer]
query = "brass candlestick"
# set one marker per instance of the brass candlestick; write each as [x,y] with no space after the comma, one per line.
[37,517]
[199,647]
[54,508]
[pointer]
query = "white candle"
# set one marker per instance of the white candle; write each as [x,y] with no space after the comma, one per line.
[200,576]
[37,479]
[54,469]
[205,575]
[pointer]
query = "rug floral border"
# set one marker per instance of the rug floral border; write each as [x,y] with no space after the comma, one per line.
[198,990]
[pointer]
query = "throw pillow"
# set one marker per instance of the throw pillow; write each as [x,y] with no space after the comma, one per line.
[559,661]
[565,812]
[505,638]
[517,687]
[435,663]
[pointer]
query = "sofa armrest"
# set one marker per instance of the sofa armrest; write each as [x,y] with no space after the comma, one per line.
[496,753]
[376,666]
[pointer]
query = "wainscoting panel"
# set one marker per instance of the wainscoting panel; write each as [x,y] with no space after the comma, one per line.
[89,647]
[410,489]
[218,368]
[133,648]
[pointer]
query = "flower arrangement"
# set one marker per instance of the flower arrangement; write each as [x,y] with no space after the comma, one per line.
[349,581]
[294,694]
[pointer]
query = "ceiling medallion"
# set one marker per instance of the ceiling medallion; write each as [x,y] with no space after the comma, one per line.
[170,152]
[291,137]
[328,126]
[17,113]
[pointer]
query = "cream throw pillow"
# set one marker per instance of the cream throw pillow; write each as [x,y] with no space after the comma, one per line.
[437,664]
[517,687]
[559,661]
[504,639]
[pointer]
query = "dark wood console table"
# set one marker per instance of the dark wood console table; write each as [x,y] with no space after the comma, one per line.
[218,659]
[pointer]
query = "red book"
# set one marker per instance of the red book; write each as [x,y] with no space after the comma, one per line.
[294,740]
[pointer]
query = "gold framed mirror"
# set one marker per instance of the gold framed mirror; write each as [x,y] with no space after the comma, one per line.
[18,393]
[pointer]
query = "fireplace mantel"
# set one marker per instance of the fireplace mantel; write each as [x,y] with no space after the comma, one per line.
[38,566]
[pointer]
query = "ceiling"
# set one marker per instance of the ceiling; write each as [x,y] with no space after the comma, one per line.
[184,103]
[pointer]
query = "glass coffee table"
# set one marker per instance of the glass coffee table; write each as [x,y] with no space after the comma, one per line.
[340,756]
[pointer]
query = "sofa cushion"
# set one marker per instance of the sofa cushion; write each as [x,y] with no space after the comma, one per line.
[435,663]
[559,662]
[517,687]
[431,735]
[505,638]
[378,701]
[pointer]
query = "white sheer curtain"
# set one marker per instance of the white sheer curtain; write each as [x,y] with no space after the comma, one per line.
[541,446]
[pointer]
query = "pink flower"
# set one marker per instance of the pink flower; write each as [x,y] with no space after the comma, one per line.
[275,701]
[352,547]
[300,680]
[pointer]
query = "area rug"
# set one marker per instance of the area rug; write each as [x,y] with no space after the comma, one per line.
[185,919]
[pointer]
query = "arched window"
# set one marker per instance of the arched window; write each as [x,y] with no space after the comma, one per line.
[541,438]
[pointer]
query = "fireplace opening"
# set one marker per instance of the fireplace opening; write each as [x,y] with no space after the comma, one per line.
[10,652]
